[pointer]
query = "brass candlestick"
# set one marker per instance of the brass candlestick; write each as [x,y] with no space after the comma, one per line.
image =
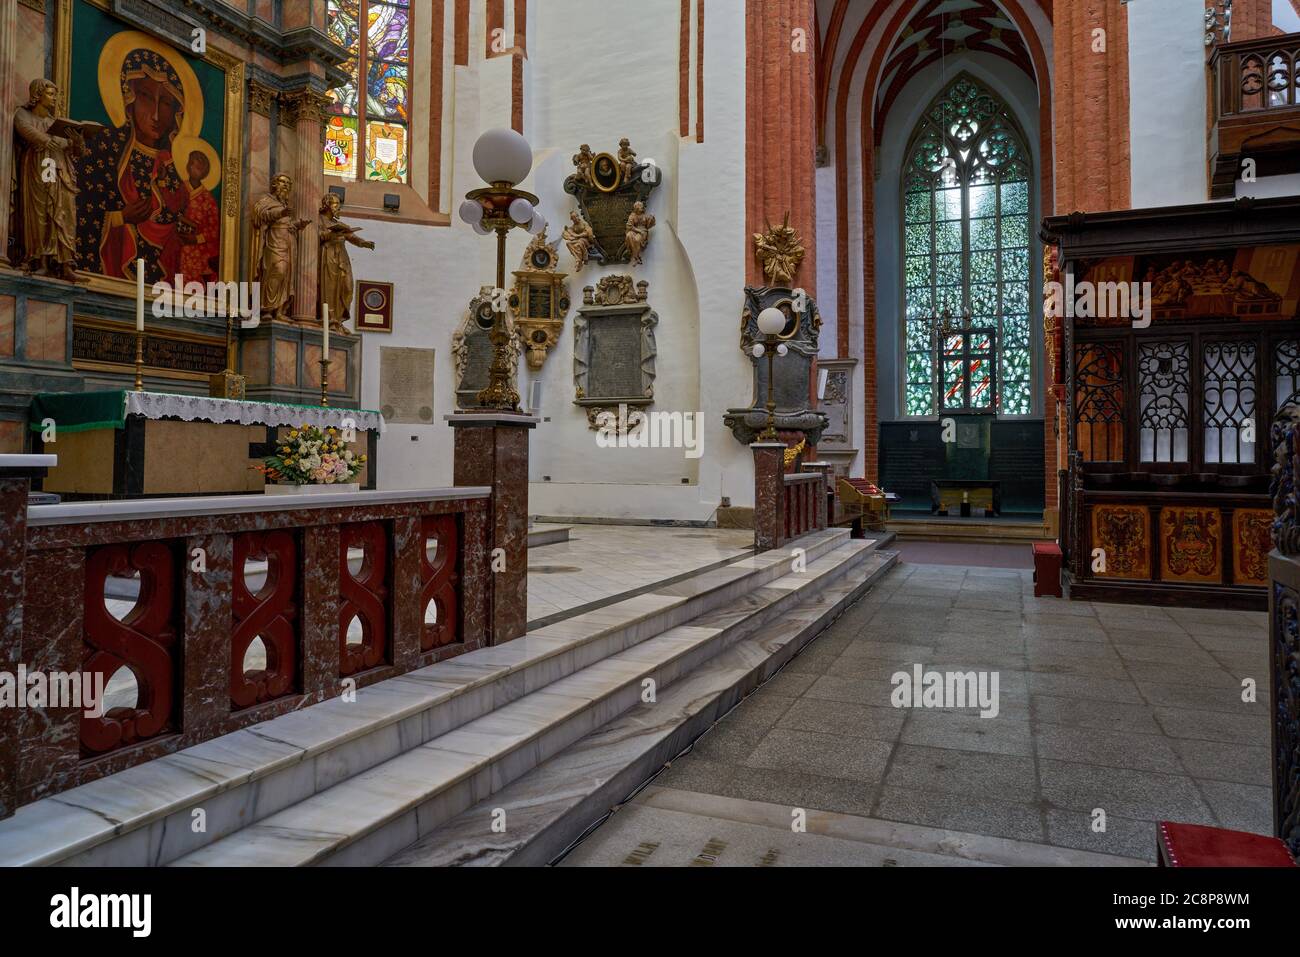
[325,381]
[139,361]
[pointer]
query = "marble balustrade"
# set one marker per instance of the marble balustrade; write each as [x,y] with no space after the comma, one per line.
[802,513]
[410,567]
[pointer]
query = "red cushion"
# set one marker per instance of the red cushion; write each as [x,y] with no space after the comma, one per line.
[1193,845]
[1046,548]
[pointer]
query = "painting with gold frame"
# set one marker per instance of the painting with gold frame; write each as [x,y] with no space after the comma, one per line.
[162,181]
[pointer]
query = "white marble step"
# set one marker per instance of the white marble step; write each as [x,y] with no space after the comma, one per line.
[371,815]
[547,809]
[145,815]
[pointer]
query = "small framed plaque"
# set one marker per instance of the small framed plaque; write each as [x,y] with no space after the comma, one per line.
[374,306]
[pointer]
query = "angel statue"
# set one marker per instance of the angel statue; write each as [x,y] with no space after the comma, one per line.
[579,238]
[582,161]
[639,224]
[335,263]
[626,159]
[779,252]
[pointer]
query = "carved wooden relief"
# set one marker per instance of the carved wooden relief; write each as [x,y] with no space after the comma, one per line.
[1191,544]
[1123,534]
[1285,673]
[1253,539]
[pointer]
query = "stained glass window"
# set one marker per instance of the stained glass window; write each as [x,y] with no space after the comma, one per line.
[966,208]
[369,131]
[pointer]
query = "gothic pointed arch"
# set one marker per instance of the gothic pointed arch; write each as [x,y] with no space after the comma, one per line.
[966,205]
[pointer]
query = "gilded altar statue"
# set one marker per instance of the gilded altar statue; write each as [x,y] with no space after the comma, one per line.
[639,224]
[578,237]
[779,253]
[335,264]
[274,233]
[45,189]
[582,161]
[626,159]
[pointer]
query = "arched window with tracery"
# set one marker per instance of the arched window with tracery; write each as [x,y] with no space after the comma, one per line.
[966,208]
[368,135]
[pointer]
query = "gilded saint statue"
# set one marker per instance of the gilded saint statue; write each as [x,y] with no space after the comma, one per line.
[582,161]
[335,264]
[48,147]
[274,234]
[579,238]
[779,252]
[639,224]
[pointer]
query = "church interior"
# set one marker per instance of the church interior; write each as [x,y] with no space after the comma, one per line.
[542,432]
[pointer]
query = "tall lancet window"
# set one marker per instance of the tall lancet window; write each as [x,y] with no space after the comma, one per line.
[966,208]
[369,128]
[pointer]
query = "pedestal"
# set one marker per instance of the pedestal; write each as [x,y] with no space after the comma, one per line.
[769,494]
[16,473]
[491,449]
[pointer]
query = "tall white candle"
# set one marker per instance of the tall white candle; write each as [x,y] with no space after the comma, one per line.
[325,322]
[139,295]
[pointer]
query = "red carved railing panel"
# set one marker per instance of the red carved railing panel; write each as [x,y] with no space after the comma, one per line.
[440,582]
[363,596]
[144,641]
[269,614]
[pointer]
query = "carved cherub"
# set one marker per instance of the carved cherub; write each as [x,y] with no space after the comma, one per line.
[579,237]
[779,252]
[582,161]
[639,224]
[626,159]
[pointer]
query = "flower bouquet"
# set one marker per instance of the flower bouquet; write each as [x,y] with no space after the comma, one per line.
[311,459]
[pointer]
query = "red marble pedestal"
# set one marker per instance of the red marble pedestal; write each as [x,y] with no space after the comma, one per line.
[491,449]
[769,494]
[16,473]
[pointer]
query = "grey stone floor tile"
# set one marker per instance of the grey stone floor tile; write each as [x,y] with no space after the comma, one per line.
[1123,792]
[1074,649]
[1132,636]
[1214,725]
[1102,689]
[1058,664]
[868,691]
[789,684]
[1196,698]
[967,731]
[801,790]
[1122,836]
[813,661]
[1241,807]
[888,650]
[843,717]
[692,772]
[1020,822]
[1186,653]
[1005,777]
[1201,676]
[860,759]
[1112,749]
[1090,713]
[1221,761]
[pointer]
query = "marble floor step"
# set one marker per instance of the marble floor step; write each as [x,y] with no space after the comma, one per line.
[142,816]
[537,817]
[373,814]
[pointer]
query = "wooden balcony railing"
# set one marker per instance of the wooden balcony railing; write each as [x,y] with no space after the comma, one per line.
[1256,109]
[226,611]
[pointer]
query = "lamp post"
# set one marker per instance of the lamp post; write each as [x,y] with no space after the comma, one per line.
[771,322]
[502,158]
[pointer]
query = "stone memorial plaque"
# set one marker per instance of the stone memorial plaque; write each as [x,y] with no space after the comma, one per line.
[793,373]
[477,363]
[615,358]
[406,385]
[114,344]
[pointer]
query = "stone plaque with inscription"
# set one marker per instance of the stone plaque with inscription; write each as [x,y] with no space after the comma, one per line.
[113,344]
[406,385]
[472,350]
[614,345]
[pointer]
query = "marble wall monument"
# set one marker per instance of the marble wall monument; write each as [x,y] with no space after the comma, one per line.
[614,347]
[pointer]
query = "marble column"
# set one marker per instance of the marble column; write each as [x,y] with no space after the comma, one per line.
[16,473]
[769,494]
[491,449]
[307,108]
[9,96]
